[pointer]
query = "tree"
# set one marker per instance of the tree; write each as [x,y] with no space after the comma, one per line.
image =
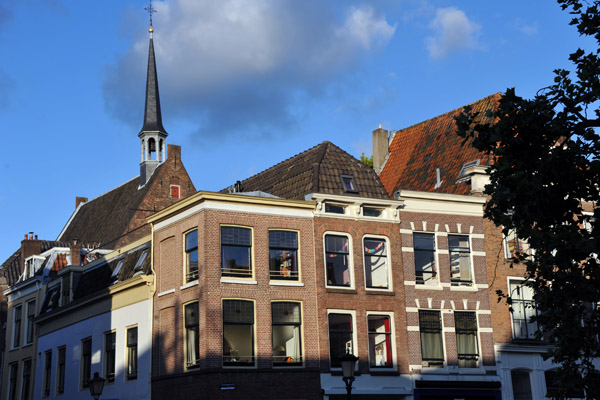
[368,161]
[545,156]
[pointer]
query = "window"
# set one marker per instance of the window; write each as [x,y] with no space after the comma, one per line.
[12,380]
[238,333]
[110,341]
[372,212]
[514,245]
[380,341]
[192,335]
[465,324]
[26,379]
[334,209]
[337,260]
[60,373]
[86,362]
[175,191]
[432,348]
[523,308]
[47,372]
[52,299]
[114,277]
[236,246]
[140,262]
[460,260]
[348,182]
[287,323]
[29,323]
[191,256]
[376,263]
[132,353]
[425,268]
[17,326]
[341,337]
[283,255]
[552,387]
[521,385]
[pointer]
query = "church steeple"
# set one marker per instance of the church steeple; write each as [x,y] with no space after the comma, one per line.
[153,135]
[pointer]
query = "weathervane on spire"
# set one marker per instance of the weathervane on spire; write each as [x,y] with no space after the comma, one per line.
[151,11]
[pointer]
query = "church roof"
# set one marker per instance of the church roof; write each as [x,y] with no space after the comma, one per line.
[316,170]
[417,152]
[107,218]
[152,113]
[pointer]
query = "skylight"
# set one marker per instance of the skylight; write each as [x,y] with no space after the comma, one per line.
[467,165]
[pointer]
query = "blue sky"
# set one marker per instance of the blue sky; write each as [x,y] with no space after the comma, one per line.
[243,84]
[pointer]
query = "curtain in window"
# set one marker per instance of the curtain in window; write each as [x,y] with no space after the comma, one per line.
[192,336]
[340,337]
[431,337]
[466,339]
[238,332]
[286,333]
[132,353]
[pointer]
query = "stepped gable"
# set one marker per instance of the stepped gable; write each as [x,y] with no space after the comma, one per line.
[316,170]
[418,151]
[107,218]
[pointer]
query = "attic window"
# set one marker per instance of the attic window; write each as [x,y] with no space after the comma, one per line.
[175,191]
[372,212]
[52,299]
[115,275]
[334,209]
[138,265]
[467,165]
[348,182]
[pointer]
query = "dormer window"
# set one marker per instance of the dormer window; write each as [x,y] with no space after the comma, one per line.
[348,183]
[138,265]
[334,209]
[32,264]
[465,166]
[115,275]
[372,212]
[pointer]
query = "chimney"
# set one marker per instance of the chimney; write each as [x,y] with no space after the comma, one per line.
[75,250]
[174,151]
[30,246]
[80,200]
[380,148]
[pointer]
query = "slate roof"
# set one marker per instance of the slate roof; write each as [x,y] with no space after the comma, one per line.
[106,218]
[416,152]
[11,268]
[152,114]
[316,170]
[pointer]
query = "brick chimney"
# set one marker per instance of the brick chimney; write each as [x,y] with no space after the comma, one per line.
[174,151]
[380,148]
[75,250]
[80,200]
[30,246]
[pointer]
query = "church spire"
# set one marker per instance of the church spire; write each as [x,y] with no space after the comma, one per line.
[153,135]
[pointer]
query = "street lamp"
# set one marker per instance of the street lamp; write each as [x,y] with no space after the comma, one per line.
[96,385]
[348,362]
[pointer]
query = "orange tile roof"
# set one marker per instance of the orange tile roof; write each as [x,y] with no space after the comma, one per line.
[417,151]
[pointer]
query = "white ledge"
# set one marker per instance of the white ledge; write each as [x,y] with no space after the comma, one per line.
[285,283]
[189,285]
[240,281]
[166,292]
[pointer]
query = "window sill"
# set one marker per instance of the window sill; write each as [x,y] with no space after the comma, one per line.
[189,285]
[428,287]
[285,283]
[464,288]
[241,281]
[166,292]
[375,292]
[340,290]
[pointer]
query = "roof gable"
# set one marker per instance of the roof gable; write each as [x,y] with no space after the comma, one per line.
[417,152]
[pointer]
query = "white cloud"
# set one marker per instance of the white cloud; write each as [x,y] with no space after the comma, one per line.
[453,31]
[232,65]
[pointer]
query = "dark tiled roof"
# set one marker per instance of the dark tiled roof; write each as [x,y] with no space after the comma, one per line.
[106,218]
[100,277]
[316,170]
[416,152]
[11,268]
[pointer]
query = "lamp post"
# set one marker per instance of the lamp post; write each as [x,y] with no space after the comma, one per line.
[348,362]
[96,385]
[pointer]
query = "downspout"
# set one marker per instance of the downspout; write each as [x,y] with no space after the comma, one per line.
[151,312]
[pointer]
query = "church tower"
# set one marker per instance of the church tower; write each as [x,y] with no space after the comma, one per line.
[153,135]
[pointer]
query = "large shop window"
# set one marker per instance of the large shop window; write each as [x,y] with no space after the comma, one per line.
[466,339]
[110,340]
[238,333]
[376,263]
[432,348]
[424,251]
[337,260]
[86,362]
[132,353]
[341,339]
[460,260]
[191,256]
[380,341]
[524,308]
[236,251]
[192,336]
[283,255]
[287,327]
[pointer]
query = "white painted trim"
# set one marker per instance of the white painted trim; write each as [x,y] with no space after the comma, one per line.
[408,250]
[390,315]
[410,283]
[406,231]
[478,253]
[350,260]
[412,328]
[428,287]
[285,283]
[412,309]
[166,292]
[486,330]
[477,235]
[240,281]
[189,285]
[388,263]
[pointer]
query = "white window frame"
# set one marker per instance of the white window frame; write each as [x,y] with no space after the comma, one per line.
[436,255]
[178,192]
[477,337]
[442,333]
[28,324]
[352,313]
[505,239]
[350,260]
[390,315]
[519,282]
[185,336]
[388,262]
[471,261]
[298,279]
